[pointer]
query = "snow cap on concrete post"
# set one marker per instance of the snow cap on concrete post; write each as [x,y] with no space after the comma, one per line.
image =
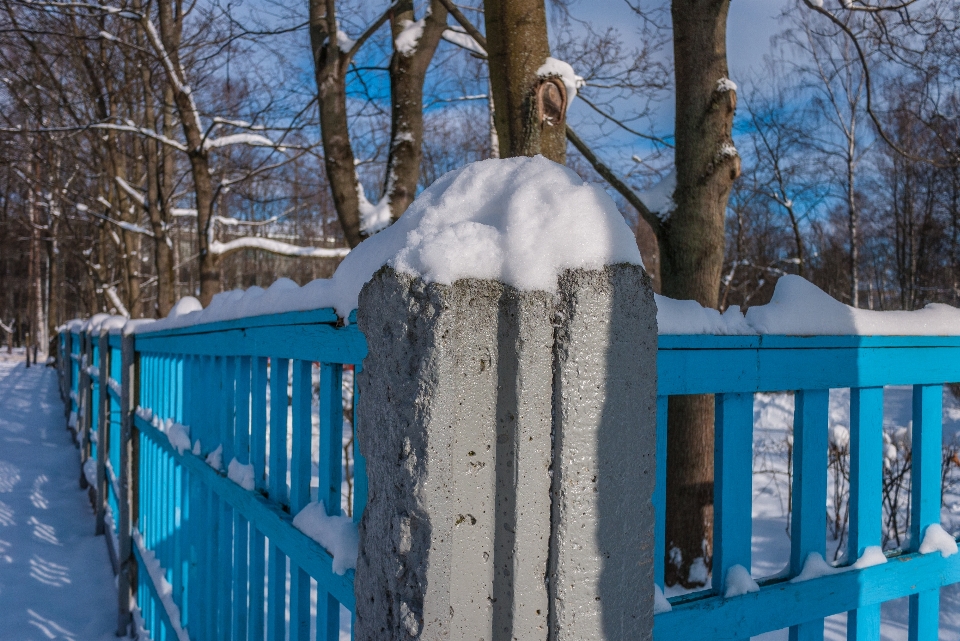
[500,279]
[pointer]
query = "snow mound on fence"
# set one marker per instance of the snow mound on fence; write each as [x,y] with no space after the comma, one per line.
[518,220]
[800,308]
[338,535]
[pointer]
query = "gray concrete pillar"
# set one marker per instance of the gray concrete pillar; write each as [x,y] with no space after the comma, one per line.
[494,441]
[605,394]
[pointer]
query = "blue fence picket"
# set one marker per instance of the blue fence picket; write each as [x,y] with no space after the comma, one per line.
[733,493]
[866,500]
[277,562]
[927,439]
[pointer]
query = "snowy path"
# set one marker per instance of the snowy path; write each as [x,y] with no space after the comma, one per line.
[55,575]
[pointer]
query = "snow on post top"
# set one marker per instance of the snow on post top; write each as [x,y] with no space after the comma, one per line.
[521,221]
[517,220]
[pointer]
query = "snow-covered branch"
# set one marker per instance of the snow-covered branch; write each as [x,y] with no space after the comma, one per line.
[463,40]
[111,293]
[130,191]
[276,247]
[136,229]
[7,328]
[254,140]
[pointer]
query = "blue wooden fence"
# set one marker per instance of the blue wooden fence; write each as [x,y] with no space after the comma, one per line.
[735,368]
[217,561]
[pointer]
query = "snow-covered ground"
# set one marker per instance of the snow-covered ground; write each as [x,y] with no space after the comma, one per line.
[773,420]
[55,575]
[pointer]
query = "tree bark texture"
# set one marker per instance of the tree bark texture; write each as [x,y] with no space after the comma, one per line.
[691,255]
[330,68]
[171,27]
[517,46]
[408,71]
[155,205]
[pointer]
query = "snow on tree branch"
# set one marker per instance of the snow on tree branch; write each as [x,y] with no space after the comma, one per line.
[276,247]
[254,140]
[130,191]
[409,36]
[463,40]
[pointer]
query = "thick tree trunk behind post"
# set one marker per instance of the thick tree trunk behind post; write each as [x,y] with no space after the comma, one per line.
[408,70]
[517,46]
[691,259]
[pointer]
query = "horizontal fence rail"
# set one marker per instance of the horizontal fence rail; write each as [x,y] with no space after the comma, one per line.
[207,441]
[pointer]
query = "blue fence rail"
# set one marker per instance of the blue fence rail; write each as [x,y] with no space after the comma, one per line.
[217,561]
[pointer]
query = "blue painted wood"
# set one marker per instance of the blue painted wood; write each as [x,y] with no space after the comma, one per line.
[925,487]
[148,592]
[241,610]
[310,317]
[302,427]
[224,431]
[331,436]
[258,453]
[325,343]
[733,489]
[809,521]
[866,501]
[274,522]
[712,367]
[660,492]
[277,562]
[781,603]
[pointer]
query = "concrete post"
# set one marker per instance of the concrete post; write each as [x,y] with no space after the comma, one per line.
[508,437]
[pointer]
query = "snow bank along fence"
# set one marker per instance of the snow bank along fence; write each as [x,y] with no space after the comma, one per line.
[198,538]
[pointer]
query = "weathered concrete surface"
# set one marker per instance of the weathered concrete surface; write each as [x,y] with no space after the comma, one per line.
[605,387]
[454,422]
[509,437]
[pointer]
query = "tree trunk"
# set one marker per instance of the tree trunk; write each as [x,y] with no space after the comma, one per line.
[171,26]
[691,255]
[408,70]
[155,204]
[854,221]
[338,155]
[54,278]
[517,46]
[38,325]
